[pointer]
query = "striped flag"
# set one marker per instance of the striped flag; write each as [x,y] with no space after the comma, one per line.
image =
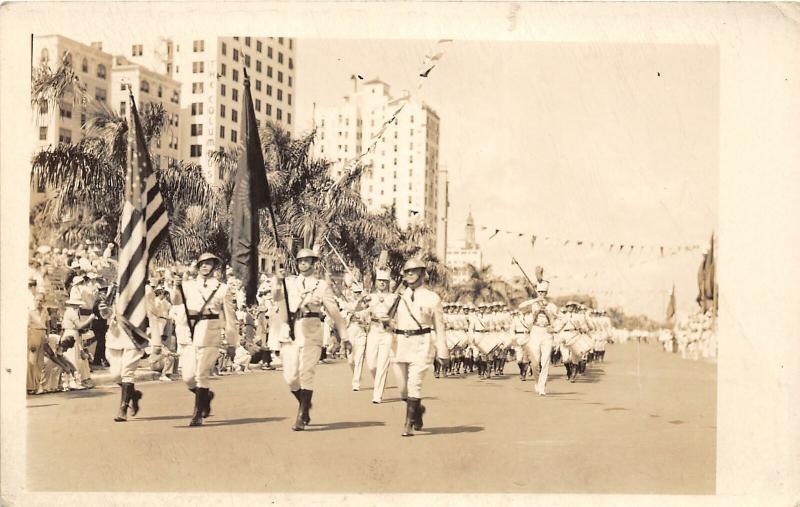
[144,224]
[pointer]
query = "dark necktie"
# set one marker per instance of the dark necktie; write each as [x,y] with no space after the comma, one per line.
[412,295]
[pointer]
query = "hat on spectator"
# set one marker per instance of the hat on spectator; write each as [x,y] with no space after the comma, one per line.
[414,263]
[208,256]
[382,274]
[306,253]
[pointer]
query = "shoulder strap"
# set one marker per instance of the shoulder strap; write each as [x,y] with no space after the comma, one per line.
[411,313]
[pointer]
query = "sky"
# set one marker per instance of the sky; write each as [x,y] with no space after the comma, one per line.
[599,143]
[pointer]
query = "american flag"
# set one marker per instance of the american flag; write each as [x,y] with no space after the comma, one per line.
[144,224]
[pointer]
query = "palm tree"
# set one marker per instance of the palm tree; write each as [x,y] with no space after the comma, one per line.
[482,287]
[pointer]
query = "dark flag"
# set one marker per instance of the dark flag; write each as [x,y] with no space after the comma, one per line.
[143,226]
[250,193]
[671,305]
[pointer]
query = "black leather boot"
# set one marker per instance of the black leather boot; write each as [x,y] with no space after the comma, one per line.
[299,424]
[419,410]
[408,428]
[122,415]
[199,401]
[207,404]
[307,393]
[134,396]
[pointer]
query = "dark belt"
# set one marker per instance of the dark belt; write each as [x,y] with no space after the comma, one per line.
[481,330]
[204,317]
[84,311]
[412,332]
[309,315]
[520,332]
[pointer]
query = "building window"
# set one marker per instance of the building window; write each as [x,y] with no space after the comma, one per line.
[223,69]
[269,51]
[280,57]
[197,108]
[122,108]
[258,46]
[43,133]
[269,109]
[269,90]
[222,131]
[269,70]
[144,86]
[280,76]
[160,91]
[97,45]
[258,85]
[236,75]
[279,114]
[258,105]
[222,89]
[247,41]
[196,150]
[280,40]
[258,65]
[235,95]
[291,64]
[235,55]
[224,49]
[65,111]
[101,71]
[137,50]
[84,65]
[100,94]
[290,81]
[197,67]
[83,119]
[198,87]
[169,68]
[290,44]
[198,46]
[64,136]
[234,136]
[289,118]
[175,97]
[222,110]
[234,115]
[247,61]
[280,94]
[197,129]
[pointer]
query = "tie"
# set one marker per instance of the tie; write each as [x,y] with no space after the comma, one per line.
[412,295]
[304,283]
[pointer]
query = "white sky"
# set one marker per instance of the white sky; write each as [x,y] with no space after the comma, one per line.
[576,141]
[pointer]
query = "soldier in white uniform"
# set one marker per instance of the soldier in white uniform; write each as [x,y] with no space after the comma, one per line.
[418,316]
[521,329]
[541,337]
[308,295]
[356,332]
[379,337]
[211,318]
[123,358]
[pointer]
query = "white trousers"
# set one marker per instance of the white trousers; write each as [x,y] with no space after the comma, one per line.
[299,364]
[539,348]
[358,341]
[123,363]
[83,372]
[379,344]
[409,378]
[196,364]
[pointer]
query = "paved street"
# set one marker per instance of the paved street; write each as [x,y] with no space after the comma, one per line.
[642,422]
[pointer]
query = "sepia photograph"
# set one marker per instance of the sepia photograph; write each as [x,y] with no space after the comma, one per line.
[273,261]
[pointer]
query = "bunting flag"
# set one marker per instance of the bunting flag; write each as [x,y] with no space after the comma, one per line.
[533,241]
[496,232]
[143,226]
[250,192]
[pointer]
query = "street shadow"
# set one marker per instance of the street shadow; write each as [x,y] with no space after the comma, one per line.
[500,377]
[162,418]
[88,393]
[450,430]
[237,422]
[552,393]
[592,376]
[45,405]
[344,425]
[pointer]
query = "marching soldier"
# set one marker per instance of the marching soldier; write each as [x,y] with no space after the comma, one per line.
[379,336]
[541,336]
[211,319]
[418,314]
[307,296]
[123,358]
[356,332]
[567,328]
[521,330]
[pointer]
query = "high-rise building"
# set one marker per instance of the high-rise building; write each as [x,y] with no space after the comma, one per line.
[443,201]
[211,72]
[105,78]
[403,168]
[460,257]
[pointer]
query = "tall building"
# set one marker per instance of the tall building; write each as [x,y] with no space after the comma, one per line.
[443,214]
[403,168]
[104,77]
[211,73]
[459,258]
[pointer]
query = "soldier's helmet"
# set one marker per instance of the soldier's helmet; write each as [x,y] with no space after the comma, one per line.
[414,263]
[208,256]
[382,274]
[306,253]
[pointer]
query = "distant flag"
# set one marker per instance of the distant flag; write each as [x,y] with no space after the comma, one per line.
[631,250]
[250,192]
[533,241]
[662,251]
[520,234]
[496,232]
[611,247]
[566,243]
[143,226]
[580,243]
[621,247]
